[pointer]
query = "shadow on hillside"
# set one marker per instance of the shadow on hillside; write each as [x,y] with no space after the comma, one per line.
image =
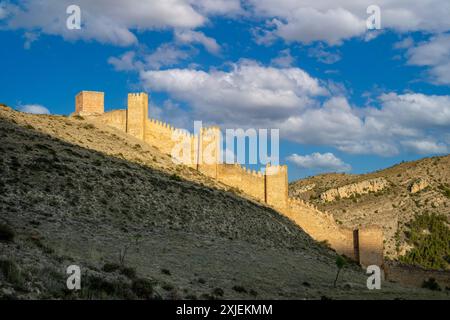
[56,156]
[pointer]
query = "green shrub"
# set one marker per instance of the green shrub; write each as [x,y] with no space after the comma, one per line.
[240,289]
[429,235]
[218,292]
[431,284]
[6,233]
[11,272]
[128,272]
[166,272]
[143,288]
[89,126]
[111,267]
[447,193]
[176,177]
[253,293]
[100,285]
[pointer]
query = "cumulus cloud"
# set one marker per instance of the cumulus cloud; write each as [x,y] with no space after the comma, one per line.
[427,146]
[284,59]
[323,55]
[218,7]
[330,26]
[107,21]
[334,21]
[166,55]
[189,36]
[434,54]
[126,62]
[33,108]
[307,110]
[171,112]
[248,91]
[368,130]
[319,161]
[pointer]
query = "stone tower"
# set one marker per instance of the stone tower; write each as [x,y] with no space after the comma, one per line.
[276,185]
[89,103]
[209,151]
[137,114]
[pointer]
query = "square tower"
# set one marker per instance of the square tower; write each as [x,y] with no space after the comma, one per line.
[276,186]
[209,150]
[89,103]
[137,114]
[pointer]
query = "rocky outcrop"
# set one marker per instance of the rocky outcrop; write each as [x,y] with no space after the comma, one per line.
[363,187]
[418,185]
[303,189]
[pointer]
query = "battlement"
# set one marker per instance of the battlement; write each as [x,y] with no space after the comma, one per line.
[204,154]
[138,94]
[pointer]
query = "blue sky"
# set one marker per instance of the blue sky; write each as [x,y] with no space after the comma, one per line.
[345,98]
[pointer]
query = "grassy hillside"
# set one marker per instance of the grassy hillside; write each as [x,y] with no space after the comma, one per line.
[395,207]
[76,192]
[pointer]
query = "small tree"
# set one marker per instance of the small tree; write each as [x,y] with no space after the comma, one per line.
[340,263]
[135,240]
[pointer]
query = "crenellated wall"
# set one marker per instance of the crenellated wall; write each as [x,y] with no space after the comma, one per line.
[321,226]
[203,153]
[249,181]
[115,118]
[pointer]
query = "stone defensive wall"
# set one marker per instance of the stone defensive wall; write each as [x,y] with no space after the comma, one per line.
[249,181]
[364,245]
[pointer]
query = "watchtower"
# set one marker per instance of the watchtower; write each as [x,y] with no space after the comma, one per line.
[89,103]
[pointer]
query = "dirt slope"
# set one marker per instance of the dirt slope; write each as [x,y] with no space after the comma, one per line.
[74,192]
[412,188]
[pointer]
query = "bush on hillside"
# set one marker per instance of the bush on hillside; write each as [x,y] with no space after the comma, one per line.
[429,235]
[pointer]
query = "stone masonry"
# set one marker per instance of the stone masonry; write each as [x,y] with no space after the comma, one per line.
[270,187]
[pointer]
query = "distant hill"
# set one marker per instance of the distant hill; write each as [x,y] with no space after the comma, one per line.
[74,192]
[394,198]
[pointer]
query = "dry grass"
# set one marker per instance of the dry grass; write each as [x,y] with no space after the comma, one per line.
[85,195]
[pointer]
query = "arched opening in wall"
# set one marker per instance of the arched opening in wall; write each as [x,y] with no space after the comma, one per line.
[356,245]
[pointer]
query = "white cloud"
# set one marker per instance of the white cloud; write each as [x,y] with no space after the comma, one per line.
[189,36]
[333,21]
[427,146]
[172,113]
[323,55]
[434,54]
[320,161]
[373,130]
[30,37]
[33,108]
[165,55]
[249,93]
[307,25]
[405,43]
[106,21]
[216,7]
[284,59]
[252,95]
[125,62]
